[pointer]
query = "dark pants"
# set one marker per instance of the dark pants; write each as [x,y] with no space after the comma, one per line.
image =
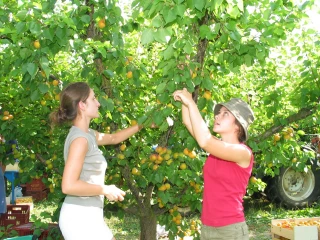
[237,231]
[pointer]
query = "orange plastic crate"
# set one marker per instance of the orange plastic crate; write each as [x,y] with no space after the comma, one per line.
[16,215]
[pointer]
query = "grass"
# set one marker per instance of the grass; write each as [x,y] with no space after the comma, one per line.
[259,213]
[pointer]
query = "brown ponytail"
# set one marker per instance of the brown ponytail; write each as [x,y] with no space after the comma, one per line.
[69,100]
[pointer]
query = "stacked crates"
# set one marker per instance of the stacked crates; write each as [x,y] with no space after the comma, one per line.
[15,215]
[37,189]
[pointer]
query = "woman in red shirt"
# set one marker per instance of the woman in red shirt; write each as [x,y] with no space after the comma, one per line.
[228,167]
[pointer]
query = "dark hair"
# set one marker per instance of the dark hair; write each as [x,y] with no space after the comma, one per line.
[241,133]
[69,99]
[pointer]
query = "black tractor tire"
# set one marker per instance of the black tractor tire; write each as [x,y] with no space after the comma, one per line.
[295,189]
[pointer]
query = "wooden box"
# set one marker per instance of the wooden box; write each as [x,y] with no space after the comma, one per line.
[296,229]
[25,200]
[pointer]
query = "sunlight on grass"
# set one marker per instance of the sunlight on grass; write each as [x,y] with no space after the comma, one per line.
[125,228]
[258,212]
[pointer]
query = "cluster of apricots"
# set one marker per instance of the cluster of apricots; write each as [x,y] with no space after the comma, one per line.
[197,187]
[188,232]
[163,154]
[176,216]
[286,134]
[7,116]
[290,223]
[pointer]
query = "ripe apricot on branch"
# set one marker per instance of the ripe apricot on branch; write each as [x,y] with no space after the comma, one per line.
[207,95]
[253,179]
[36,44]
[276,137]
[186,151]
[135,171]
[123,147]
[133,122]
[55,82]
[183,166]
[102,23]
[129,74]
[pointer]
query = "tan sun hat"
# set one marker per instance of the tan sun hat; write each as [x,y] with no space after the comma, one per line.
[240,110]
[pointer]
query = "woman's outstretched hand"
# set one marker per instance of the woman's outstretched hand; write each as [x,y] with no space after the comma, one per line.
[183,96]
[113,193]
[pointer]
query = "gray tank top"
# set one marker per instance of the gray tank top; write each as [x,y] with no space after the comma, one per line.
[93,169]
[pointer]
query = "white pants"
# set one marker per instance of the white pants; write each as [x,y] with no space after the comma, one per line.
[83,223]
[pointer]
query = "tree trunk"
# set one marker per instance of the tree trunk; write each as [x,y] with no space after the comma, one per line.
[148,227]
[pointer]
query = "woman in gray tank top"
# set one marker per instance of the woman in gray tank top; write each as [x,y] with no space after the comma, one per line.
[81,215]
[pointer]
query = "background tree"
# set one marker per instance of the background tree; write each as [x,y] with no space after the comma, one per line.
[217,49]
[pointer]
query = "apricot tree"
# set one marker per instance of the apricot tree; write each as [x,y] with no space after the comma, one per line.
[135,57]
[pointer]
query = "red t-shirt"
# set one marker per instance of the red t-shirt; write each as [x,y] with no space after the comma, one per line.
[225,185]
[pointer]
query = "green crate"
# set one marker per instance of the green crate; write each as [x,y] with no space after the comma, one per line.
[29,237]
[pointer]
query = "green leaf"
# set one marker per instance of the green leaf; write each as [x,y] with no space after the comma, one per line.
[240,5]
[61,33]
[266,14]
[43,88]
[44,62]
[199,4]
[48,33]
[21,27]
[154,8]
[35,95]
[35,28]
[171,86]
[233,12]
[161,87]
[169,16]
[188,48]
[158,119]
[157,22]
[102,51]
[180,9]
[207,83]
[248,60]
[32,69]
[142,119]
[204,31]
[107,103]
[164,126]
[161,35]
[108,73]
[147,36]
[22,14]
[216,4]
[25,53]
[85,18]
[231,25]
[168,53]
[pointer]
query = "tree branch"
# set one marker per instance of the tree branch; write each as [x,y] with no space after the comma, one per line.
[201,51]
[301,114]
[41,159]
[5,37]
[149,193]
[135,191]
